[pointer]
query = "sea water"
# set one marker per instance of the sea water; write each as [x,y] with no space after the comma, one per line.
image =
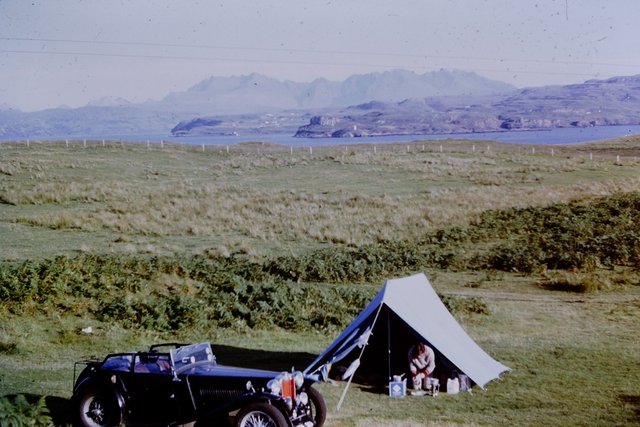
[548,137]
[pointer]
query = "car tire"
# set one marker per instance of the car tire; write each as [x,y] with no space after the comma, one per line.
[318,406]
[95,408]
[260,415]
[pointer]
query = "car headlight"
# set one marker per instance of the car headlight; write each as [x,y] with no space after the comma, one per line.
[298,378]
[275,386]
[289,402]
[303,398]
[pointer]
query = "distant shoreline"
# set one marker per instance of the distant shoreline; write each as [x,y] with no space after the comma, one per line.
[542,137]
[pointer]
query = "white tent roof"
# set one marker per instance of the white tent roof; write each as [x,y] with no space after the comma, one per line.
[417,304]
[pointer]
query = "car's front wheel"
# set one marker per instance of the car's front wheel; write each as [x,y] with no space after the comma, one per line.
[318,407]
[260,415]
[95,408]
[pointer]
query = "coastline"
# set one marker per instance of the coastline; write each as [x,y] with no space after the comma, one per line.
[542,137]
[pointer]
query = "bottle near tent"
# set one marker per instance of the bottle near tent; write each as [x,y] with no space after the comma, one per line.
[453,383]
[432,385]
[465,383]
[417,383]
[398,386]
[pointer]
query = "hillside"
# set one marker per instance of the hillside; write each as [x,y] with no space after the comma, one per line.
[614,101]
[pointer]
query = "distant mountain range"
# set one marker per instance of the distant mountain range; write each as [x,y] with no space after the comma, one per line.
[251,94]
[257,93]
[389,103]
[615,101]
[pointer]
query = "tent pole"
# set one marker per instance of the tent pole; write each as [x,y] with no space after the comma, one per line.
[344,392]
[388,346]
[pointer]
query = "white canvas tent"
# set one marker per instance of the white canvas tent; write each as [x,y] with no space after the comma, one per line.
[404,311]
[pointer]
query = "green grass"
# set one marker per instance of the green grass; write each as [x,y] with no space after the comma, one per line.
[574,359]
[179,200]
[99,231]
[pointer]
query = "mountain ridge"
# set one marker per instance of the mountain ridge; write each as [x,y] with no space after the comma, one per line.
[613,101]
[237,95]
[254,92]
[374,104]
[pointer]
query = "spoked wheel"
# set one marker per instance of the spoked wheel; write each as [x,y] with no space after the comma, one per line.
[318,407]
[96,409]
[260,415]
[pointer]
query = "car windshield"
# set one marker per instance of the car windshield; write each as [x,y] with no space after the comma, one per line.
[119,362]
[190,354]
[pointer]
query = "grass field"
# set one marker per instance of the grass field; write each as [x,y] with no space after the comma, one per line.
[568,333]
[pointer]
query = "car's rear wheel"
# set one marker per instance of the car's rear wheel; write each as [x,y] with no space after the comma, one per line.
[260,415]
[95,408]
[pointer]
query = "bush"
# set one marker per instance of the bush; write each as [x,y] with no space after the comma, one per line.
[8,348]
[17,411]
[236,291]
[465,305]
[575,282]
[580,235]
[168,294]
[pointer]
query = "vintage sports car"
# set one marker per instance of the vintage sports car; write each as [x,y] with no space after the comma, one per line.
[174,384]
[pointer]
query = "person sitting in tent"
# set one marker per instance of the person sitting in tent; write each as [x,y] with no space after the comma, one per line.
[422,362]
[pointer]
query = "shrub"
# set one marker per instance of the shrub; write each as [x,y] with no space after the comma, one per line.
[575,282]
[166,293]
[8,348]
[17,411]
[578,235]
[465,305]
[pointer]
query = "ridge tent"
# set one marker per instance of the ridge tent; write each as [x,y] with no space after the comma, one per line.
[374,347]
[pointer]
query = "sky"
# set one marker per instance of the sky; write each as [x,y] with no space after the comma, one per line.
[71,52]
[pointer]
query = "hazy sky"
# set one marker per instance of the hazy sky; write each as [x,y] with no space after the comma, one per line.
[69,52]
